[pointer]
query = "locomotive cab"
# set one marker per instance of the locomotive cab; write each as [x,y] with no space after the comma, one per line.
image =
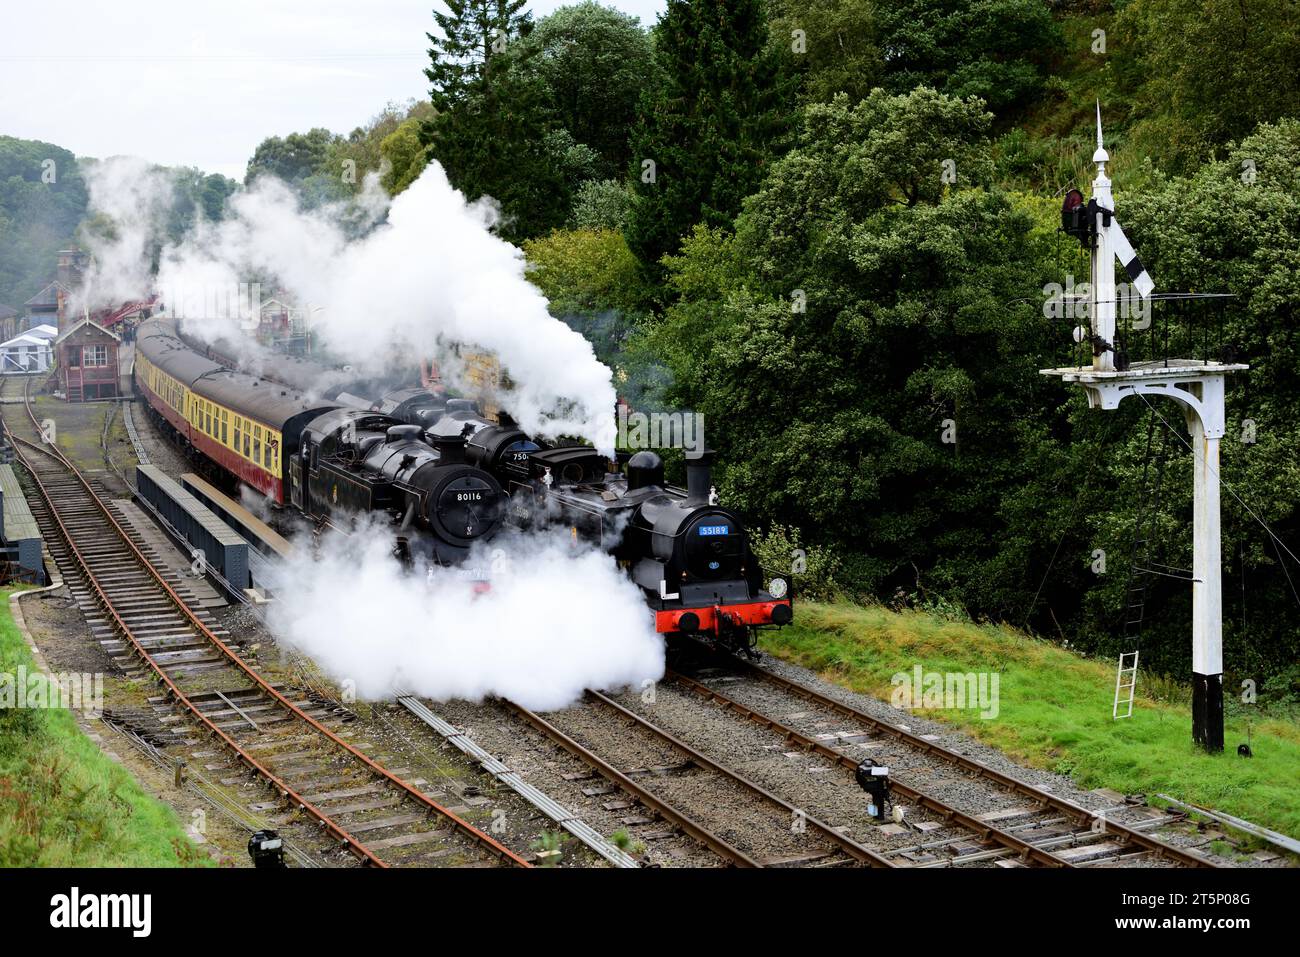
[697,549]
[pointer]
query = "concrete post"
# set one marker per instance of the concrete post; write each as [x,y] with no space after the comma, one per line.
[1207,589]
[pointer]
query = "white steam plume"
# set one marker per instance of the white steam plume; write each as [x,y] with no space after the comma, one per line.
[555,622]
[431,274]
[130,199]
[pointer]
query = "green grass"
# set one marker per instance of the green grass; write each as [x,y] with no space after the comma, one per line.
[1055,709]
[62,801]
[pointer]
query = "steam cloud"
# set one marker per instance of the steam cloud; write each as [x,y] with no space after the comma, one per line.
[428,272]
[556,621]
[431,273]
[130,199]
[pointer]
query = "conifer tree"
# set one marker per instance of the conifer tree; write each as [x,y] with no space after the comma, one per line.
[491,130]
[709,127]
[471,32]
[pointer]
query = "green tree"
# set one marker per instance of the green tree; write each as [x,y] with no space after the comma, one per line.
[492,130]
[471,34]
[355,156]
[601,204]
[1202,72]
[586,269]
[213,191]
[858,311]
[43,197]
[833,45]
[710,125]
[292,158]
[593,61]
[405,154]
[594,284]
[993,49]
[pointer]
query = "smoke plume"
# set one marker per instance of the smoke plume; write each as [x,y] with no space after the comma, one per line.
[431,274]
[129,203]
[558,619]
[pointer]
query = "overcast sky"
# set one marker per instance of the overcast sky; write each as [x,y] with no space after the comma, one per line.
[201,83]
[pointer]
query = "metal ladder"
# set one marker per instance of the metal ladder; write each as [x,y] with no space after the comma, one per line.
[1123,688]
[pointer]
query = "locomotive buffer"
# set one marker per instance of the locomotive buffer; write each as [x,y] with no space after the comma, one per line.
[1198,386]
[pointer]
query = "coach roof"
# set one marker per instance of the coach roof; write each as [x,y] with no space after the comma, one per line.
[158,342]
[262,399]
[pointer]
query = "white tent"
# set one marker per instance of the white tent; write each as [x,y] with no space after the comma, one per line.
[30,351]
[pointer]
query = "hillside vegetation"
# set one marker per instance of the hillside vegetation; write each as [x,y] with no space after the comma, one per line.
[832,227]
[63,802]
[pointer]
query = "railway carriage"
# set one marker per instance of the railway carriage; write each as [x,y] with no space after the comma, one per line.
[246,426]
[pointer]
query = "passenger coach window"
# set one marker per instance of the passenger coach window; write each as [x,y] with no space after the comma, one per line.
[224,419]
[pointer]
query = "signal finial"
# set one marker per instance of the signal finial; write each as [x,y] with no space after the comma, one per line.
[1101,156]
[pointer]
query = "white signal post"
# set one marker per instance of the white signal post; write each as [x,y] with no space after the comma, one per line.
[1103,262]
[1198,386]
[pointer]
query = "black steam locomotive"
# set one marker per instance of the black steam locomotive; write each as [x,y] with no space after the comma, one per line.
[329,461]
[690,556]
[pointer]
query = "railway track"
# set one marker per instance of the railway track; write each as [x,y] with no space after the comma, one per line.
[749,823]
[137,612]
[1033,825]
[738,820]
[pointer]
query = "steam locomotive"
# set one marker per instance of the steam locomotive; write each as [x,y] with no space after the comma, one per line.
[327,460]
[691,558]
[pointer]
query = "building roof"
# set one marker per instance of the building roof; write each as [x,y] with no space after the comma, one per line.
[49,296]
[18,521]
[26,339]
[111,317]
[7,312]
[82,324]
[44,331]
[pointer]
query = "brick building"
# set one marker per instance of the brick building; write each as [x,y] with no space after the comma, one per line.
[87,357]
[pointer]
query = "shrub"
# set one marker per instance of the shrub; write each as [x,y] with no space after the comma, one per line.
[811,569]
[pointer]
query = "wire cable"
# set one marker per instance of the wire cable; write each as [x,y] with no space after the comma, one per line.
[1277,542]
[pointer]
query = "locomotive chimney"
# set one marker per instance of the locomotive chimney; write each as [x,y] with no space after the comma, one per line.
[451,449]
[699,476]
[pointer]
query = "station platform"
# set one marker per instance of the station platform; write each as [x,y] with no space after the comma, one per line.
[249,527]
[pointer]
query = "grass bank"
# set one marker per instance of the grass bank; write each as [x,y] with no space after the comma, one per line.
[63,802]
[1054,709]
